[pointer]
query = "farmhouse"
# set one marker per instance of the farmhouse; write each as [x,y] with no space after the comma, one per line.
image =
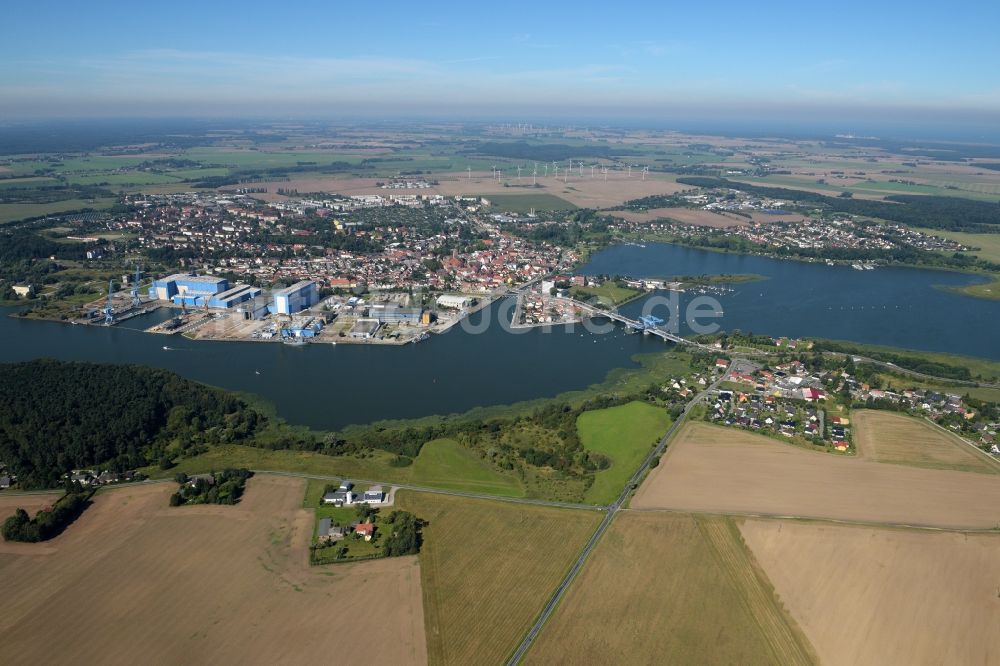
[339,497]
[207,478]
[367,530]
[345,496]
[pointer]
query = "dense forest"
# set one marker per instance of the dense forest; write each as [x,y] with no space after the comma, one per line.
[24,245]
[57,416]
[933,212]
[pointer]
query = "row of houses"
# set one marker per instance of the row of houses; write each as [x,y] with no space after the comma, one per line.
[90,477]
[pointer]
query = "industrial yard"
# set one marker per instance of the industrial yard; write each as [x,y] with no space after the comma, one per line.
[208,308]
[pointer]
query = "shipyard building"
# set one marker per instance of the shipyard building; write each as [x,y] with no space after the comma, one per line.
[201,291]
[296,298]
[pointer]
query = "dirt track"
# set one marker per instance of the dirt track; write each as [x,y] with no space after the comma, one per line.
[884,596]
[135,579]
[724,470]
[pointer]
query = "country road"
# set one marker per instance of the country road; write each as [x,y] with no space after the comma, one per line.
[557,595]
[440,491]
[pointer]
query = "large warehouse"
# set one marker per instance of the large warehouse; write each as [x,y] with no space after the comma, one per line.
[391,313]
[233,297]
[453,301]
[296,298]
[188,289]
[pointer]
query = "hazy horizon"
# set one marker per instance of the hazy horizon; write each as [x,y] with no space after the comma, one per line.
[557,63]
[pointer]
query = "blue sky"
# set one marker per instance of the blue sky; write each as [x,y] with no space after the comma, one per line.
[539,59]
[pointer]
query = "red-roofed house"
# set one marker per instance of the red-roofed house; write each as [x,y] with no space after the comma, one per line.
[810,394]
[367,530]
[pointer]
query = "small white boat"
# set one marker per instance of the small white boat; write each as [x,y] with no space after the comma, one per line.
[166,348]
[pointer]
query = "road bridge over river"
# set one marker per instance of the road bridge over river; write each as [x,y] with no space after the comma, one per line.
[647,325]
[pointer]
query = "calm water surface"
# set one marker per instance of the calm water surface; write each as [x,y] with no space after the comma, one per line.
[328,386]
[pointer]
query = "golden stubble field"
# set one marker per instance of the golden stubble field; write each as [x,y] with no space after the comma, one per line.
[488,568]
[885,596]
[723,470]
[134,580]
[669,588]
[585,192]
[896,438]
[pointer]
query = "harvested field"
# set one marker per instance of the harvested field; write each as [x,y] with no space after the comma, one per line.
[226,583]
[671,588]
[488,568]
[9,503]
[583,192]
[694,216]
[885,596]
[904,440]
[723,470]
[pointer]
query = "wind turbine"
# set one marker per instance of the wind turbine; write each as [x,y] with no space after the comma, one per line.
[645,170]
[605,170]
[519,173]
[469,169]
[546,169]
[581,169]
[591,171]
[555,171]
[534,174]
[629,170]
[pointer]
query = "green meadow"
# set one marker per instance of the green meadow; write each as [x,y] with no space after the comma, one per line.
[625,434]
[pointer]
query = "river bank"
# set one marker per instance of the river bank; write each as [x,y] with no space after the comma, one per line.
[483,363]
[987,289]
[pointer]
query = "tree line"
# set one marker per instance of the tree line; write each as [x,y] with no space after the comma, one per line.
[47,523]
[933,212]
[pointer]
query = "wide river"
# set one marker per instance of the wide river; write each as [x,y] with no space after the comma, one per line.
[327,387]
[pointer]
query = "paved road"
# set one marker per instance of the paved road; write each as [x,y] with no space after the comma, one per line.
[440,491]
[557,595]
